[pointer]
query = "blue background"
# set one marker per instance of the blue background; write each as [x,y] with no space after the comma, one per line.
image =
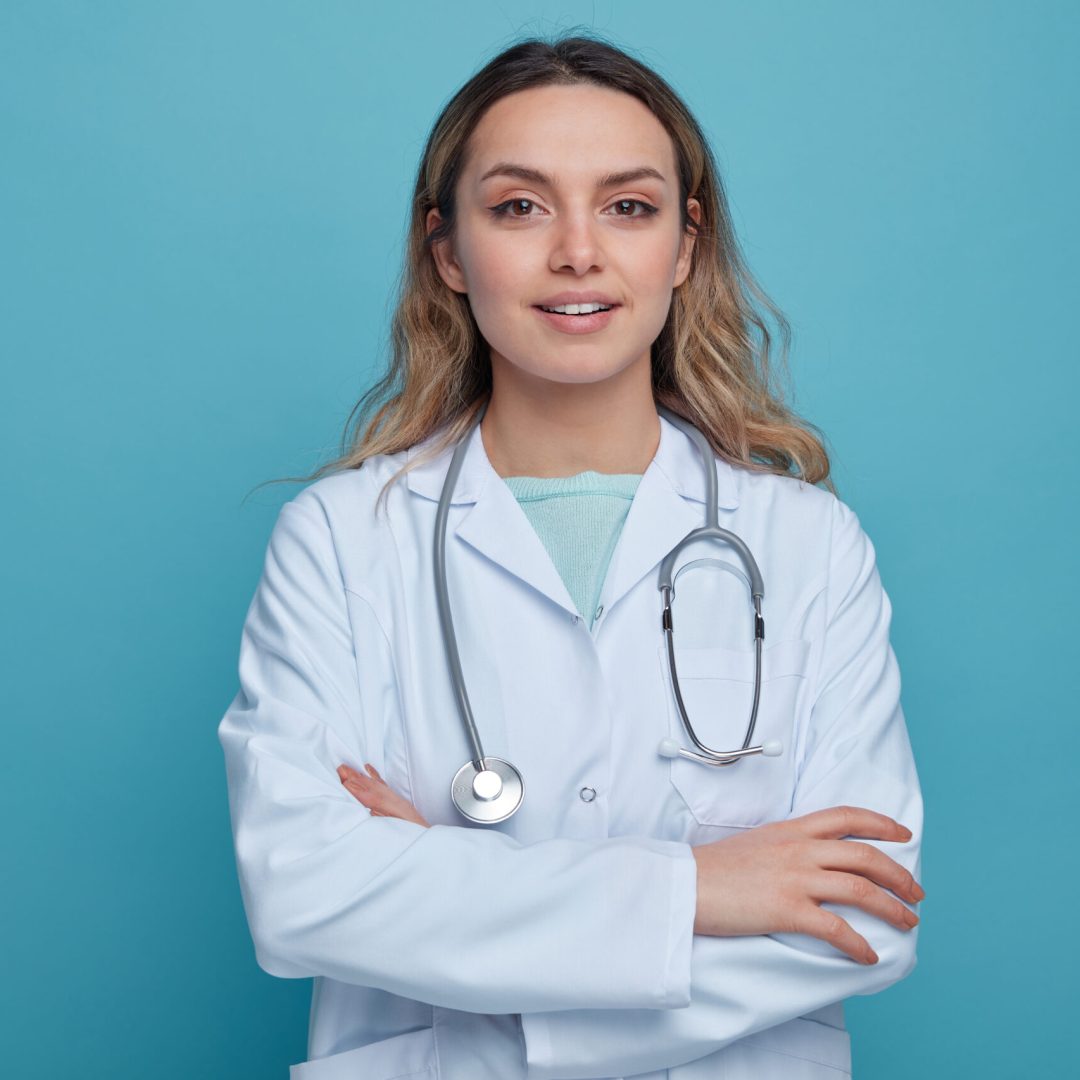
[203,206]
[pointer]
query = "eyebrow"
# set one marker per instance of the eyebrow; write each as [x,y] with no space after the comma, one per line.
[535,176]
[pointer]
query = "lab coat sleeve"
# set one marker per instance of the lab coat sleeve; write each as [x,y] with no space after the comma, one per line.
[857,753]
[463,918]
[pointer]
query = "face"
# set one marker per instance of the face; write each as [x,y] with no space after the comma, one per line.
[523,238]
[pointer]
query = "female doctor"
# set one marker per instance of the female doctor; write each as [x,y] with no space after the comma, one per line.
[464,791]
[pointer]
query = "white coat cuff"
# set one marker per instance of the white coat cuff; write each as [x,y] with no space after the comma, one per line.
[674,976]
[677,978]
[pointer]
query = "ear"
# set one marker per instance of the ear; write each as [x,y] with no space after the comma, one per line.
[442,252]
[686,244]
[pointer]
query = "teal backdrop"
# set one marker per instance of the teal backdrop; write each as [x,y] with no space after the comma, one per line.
[202,207]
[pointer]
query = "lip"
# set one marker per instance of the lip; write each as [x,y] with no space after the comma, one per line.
[571,297]
[577,324]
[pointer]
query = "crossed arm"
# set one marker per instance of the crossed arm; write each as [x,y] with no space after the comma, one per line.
[314,876]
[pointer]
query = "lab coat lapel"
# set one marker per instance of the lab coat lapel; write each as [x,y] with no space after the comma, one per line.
[498,528]
[494,524]
[668,504]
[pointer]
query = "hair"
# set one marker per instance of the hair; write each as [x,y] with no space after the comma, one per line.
[711,360]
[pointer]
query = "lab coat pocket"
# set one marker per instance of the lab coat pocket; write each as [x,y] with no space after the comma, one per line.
[404,1057]
[717,687]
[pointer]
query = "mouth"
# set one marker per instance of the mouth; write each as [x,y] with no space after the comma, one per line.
[577,324]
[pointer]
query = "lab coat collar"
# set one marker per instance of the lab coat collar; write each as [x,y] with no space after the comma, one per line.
[668,503]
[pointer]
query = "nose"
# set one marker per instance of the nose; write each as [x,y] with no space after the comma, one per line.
[576,243]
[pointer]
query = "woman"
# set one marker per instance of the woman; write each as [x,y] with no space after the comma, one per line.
[631,913]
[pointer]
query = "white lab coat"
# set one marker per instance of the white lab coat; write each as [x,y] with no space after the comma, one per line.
[558,943]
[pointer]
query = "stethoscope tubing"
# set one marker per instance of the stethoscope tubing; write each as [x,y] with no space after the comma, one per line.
[442,598]
[497,789]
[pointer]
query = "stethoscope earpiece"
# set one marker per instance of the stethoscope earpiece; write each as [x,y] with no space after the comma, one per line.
[669,748]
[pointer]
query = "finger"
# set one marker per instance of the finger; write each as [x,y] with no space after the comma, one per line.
[365,791]
[374,772]
[360,787]
[861,892]
[830,927]
[380,797]
[396,804]
[867,860]
[363,797]
[836,822]
[346,772]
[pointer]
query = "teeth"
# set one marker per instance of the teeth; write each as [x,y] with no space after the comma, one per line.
[578,309]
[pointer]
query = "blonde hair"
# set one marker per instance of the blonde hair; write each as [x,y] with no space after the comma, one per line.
[707,364]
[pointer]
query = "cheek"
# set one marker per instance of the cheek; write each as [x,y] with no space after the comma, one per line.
[651,281]
[490,302]
[497,294]
[655,267]
[492,269]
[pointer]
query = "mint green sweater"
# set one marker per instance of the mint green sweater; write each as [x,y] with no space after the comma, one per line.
[578,518]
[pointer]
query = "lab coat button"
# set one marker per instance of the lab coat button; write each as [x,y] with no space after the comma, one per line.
[587,794]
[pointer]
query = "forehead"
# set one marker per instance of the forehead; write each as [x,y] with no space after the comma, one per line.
[572,133]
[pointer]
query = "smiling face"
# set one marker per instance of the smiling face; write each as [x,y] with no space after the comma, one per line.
[532,223]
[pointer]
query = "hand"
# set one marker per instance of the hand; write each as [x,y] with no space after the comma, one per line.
[377,795]
[771,879]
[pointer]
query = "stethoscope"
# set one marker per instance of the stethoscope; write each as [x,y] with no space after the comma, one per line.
[487,790]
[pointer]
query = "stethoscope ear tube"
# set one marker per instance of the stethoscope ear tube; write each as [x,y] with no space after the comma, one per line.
[710,531]
[708,756]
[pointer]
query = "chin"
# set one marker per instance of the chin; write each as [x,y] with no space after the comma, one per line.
[569,367]
[577,376]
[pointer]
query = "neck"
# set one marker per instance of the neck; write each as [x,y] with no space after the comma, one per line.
[570,428]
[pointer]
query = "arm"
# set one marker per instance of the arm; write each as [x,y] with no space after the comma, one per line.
[857,753]
[434,914]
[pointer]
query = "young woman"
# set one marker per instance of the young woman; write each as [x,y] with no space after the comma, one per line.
[549,881]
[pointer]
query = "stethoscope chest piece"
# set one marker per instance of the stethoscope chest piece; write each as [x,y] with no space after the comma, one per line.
[489,795]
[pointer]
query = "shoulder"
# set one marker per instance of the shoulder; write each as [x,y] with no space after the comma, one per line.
[812,532]
[340,516]
[347,498]
[787,501]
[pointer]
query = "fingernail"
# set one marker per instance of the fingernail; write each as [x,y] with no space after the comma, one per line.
[871,957]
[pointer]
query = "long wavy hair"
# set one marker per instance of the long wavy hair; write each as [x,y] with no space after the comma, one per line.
[711,361]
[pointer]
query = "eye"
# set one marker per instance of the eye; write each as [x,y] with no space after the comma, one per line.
[647,209]
[503,209]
